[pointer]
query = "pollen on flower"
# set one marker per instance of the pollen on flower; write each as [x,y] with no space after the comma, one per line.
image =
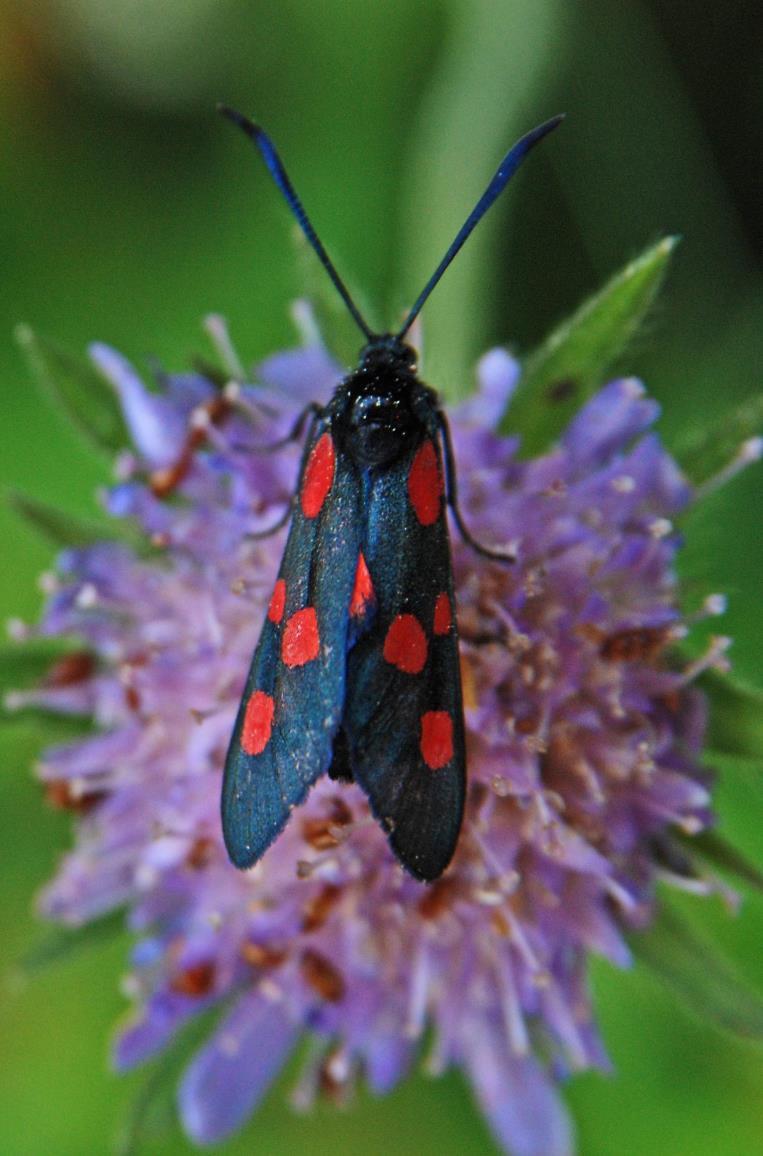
[322,976]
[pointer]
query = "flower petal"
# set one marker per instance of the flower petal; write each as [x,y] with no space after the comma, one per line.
[606,424]
[497,377]
[157,427]
[230,1074]
[518,1098]
[304,375]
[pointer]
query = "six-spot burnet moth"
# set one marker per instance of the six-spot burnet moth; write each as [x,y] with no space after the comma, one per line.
[356,672]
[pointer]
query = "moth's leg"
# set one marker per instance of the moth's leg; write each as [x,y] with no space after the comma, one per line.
[313,411]
[451,495]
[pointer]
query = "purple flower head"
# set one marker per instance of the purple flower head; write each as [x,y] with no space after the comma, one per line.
[583,753]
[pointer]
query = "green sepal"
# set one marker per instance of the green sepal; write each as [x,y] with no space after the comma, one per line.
[62,943]
[25,667]
[736,716]
[68,531]
[713,849]
[25,664]
[699,975]
[152,1111]
[574,361]
[704,453]
[77,389]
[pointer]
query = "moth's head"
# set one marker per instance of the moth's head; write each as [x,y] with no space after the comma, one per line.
[387,351]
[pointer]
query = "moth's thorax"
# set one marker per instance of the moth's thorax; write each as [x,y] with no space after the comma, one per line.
[382,403]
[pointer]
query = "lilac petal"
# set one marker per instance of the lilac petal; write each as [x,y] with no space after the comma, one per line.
[658,475]
[518,1098]
[158,1023]
[188,390]
[617,413]
[387,1059]
[304,375]
[497,377]
[229,1075]
[157,427]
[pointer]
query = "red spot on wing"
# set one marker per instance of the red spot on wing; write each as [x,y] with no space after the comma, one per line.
[436,741]
[277,602]
[301,640]
[319,474]
[406,644]
[425,485]
[443,615]
[363,589]
[258,723]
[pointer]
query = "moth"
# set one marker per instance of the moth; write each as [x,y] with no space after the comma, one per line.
[356,673]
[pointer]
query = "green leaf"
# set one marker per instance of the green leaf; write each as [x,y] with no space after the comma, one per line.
[576,358]
[707,452]
[715,850]
[62,943]
[70,530]
[736,716]
[473,106]
[77,389]
[59,527]
[699,975]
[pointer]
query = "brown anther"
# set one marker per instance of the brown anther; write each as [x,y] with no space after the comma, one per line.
[218,409]
[325,980]
[164,481]
[200,853]
[639,644]
[500,924]
[479,793]
[341,815]
[318,834]
[323,834]
[132,698]
[672,701]
[317,909]
[527,725]
[331,1086]
[590,632]
[196,981]
[71,669]
[264,958]
[468,682]
[59,794]
[437,899]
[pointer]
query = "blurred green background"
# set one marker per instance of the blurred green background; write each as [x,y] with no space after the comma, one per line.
[129,210]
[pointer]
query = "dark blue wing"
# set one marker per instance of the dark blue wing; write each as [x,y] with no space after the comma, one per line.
[294,695]
[403,718]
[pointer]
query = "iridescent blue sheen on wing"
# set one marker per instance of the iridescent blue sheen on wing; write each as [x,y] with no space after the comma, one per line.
[419,807]
[318,568]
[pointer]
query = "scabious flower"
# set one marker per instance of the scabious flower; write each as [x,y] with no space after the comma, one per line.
[584,736]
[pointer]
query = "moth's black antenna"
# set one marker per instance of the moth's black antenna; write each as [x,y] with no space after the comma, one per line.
[279,175]
[504,173]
